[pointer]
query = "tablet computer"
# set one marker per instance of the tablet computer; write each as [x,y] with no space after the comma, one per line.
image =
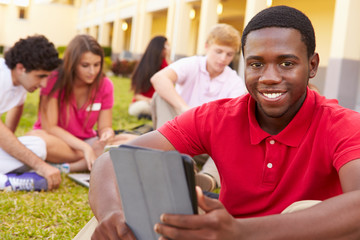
[153,182]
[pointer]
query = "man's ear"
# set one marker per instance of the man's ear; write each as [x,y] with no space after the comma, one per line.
[313,64]
[20,67]
[207,46]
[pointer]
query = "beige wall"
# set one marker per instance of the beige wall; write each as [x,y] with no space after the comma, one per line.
[159,23]
[2,19]
[55,21]
[321,14]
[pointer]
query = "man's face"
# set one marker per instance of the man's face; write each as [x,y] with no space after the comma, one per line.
[31,80]
[218,57]
[277,69]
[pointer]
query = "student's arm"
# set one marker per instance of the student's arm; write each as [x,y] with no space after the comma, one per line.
[49,121]
[105,125]
[13,117]
[164,85]
[10,144]
[104,197]
[335,218]
[105,132]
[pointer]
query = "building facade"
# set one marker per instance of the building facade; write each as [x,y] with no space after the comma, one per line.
[128,25]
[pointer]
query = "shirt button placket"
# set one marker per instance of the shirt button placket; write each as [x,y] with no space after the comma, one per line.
[269,171]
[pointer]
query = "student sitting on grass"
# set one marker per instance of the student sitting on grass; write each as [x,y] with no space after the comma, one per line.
[153,60]
[282,143]
[25,68]
[77,97]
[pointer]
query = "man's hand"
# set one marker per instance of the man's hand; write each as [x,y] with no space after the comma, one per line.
[51,174]
[216,223]
[113,227]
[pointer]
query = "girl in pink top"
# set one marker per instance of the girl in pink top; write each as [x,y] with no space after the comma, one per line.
[153,60]
[77,97]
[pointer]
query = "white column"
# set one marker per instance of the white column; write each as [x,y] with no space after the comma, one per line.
[118,37]
[208,18]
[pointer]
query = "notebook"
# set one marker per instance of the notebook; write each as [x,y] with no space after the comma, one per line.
[80,178]
[151,183]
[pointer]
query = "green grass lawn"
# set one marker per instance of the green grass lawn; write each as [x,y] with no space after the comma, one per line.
[61,213]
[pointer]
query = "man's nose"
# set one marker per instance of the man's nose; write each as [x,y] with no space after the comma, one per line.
[270,75]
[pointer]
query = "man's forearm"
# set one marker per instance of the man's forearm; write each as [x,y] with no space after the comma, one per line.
[104,197]
[10,144]
[335,218]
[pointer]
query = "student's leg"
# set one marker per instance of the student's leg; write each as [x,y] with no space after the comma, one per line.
[210,168]
[161,111]
[10,164]
[139,107]
[58,151]
[208,178]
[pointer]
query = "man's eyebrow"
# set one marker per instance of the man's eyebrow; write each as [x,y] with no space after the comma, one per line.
[43,75]
[254,57]
[284,56]
[288,56]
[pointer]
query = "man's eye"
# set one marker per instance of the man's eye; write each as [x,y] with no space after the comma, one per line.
[256,65]
[287,64]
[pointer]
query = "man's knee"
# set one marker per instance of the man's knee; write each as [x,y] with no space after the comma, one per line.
[36,144]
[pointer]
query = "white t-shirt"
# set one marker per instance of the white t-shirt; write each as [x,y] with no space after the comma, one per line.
[195,86]
[10,95]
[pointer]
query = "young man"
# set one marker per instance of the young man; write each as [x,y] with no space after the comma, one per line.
[192,81]
[25,68]
[279,144]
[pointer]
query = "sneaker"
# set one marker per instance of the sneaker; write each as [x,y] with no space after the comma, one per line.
[63,167]
[205,181]
[28,181]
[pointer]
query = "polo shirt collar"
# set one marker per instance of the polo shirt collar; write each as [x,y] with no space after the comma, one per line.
[293,134]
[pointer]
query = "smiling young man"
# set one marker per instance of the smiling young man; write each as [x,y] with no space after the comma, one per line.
[280,144]
[25,68]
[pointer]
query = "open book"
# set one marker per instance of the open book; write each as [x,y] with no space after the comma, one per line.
[153,182]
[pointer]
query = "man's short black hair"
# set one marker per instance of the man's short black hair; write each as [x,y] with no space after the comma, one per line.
[34,53]
[283,17]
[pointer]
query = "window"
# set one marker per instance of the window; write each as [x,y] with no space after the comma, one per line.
[22,13]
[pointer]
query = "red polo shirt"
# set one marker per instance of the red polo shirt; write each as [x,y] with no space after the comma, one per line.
[262,174]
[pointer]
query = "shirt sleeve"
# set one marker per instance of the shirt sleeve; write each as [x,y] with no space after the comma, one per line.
[182,68]
[344,142]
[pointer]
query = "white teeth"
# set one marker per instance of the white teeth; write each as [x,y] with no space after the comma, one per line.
[272,95]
